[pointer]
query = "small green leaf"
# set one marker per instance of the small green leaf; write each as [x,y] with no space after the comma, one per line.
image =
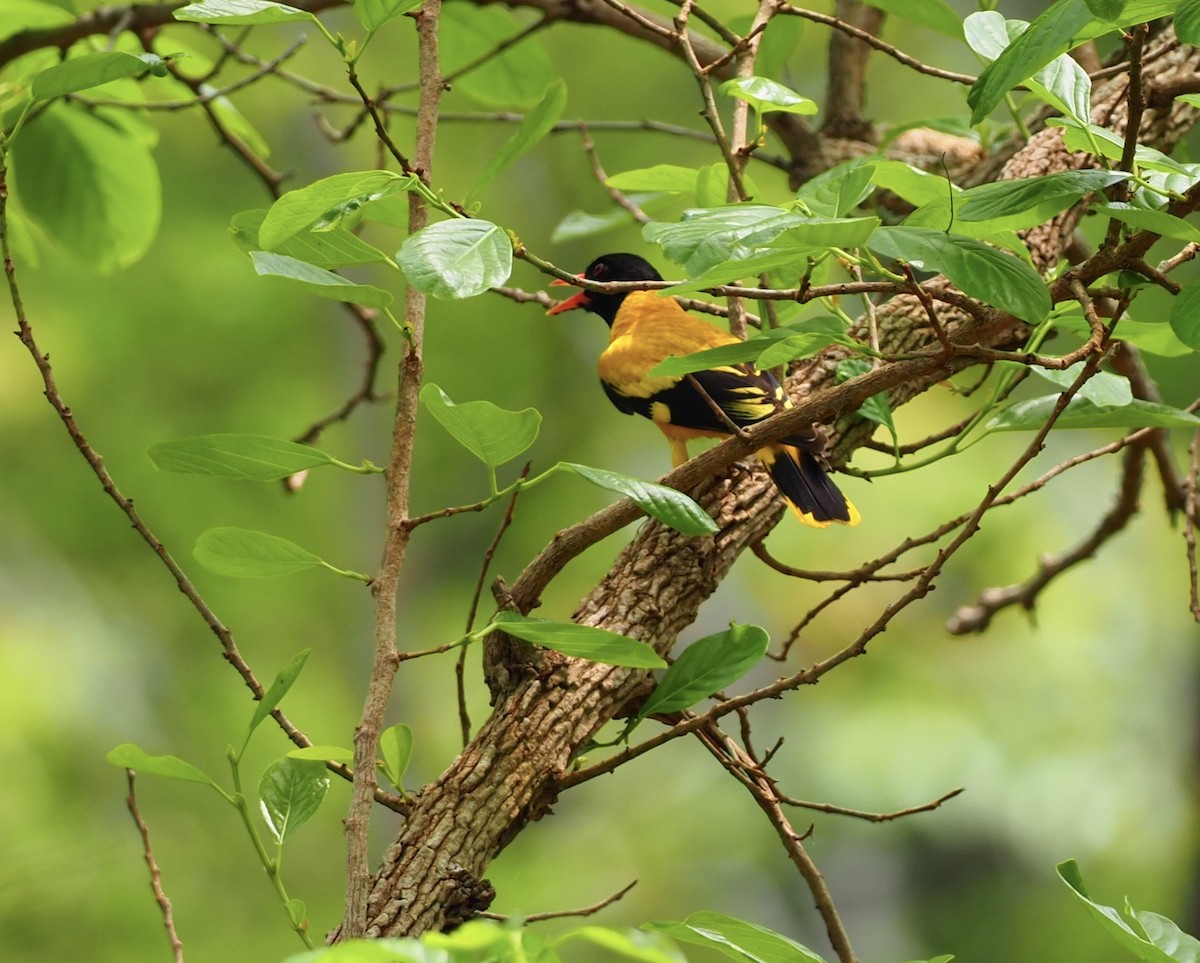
[1185,316]
[321,753]
[493,435]
[980,270]
[672,508]
[241,12]
[916,186]
[325,203]
[257,457]
[1032,415]
[129,756]
[706,666]
[669,178]
[535,125]
[396,748]
[458,258]
[712,185]
[290,792]
[318,281]
[331,247]
[580,641]
[90,70]
[279,688]
[766,95]
[245,554]
[1102,388]
[297,913]
[373,14]
[737,939]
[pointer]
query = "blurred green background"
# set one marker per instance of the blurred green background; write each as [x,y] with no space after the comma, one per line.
[1074,736]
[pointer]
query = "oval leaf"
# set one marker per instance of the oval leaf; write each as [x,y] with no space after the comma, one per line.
[241,553]
[978,269]
[705,666]
[290,791]
[672,508]
[1112,921]
[492,434]
[737,939]
[318,281]
[330,247]
[1032,415]
[325,202]
[373,14]
[90,70]
[456,259]
[669,178]
[129,756]
[321,753]
[247,12]
[497,73]
[1185,316]
[279,688]
[580,641]
[766,95]
[1102,388]
[396,747]
[256,457]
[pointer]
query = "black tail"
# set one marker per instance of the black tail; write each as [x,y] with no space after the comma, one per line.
[809,491]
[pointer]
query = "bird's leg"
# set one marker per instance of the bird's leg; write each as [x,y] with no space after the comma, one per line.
[679,452]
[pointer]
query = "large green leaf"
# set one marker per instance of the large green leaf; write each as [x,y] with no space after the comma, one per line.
[241,12]
[516,76]
[492,434]
[329,248]
[326,202]
[1002,199]
[130,756]
[535,125]
[289,793]
[980,270]
[257,457]
[706,666]
[318,281]
[90,70]
[737,939]
[672,508]
[459,258]
[1115,925]
[1032,415]
[1185,316]
[241,553]
[708,236]
[580,641]
[92,187]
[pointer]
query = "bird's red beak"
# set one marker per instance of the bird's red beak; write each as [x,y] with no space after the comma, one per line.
[579,300]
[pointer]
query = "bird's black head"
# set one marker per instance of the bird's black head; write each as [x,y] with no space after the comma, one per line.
[608,267]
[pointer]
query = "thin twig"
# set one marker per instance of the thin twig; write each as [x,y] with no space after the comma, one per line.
[160,895]
[564,914]
[870,817]
[1192,504]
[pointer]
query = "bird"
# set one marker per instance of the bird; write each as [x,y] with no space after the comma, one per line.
[645,329]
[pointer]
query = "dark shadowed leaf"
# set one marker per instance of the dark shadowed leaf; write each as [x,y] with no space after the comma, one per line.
[705,666]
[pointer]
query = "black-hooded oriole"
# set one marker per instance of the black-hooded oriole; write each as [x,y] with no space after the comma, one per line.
[645,330]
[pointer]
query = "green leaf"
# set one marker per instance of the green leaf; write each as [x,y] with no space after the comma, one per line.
[712,185]
[916,186]
[1163,933]
[877,408]
[279,688]
[406,950]
[644,947]
[241,553]
[933,14]
[1185,316]
[1158,222]
[580,641]
[493,435]
[1102,388]
[90,70]
[129,756]
[706,666]
[93,188]
[798,346]
[458,258]
[321,753]
[235,122]
[256,457]
[1032,415]
[534,127]
[289,793]
[239,12]
[297,913]
[672,508]
[837,191]
[373,14]
[1109,919]
[1107,9]
[396,747]
[1187,22]
[742,352]
[737,939]
[766,95]
[978,269]
[516,76]
[1013,197]
[329,248]
[708,236]
[318,281]
[580,224]
[670,178]
[326,202]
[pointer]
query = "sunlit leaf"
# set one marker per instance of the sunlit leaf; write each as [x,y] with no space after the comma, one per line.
[330,248]
[279,688]
[1033,414]
[737,939]
[636,945]
[290,792]
[1111,920]
[240,12]
[321,753]
[326,202]
[1102,388]
[669,178]
[492,434]
[1159,222]
[318,281]
[581,641]
[672,508]
[1187,22]
[129,756]
[396,748]
[766,95]
[241,553]
[373,14]
[458,258]
[705,666]
[256,457]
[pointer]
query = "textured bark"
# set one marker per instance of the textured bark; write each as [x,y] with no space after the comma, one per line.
[547,707]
